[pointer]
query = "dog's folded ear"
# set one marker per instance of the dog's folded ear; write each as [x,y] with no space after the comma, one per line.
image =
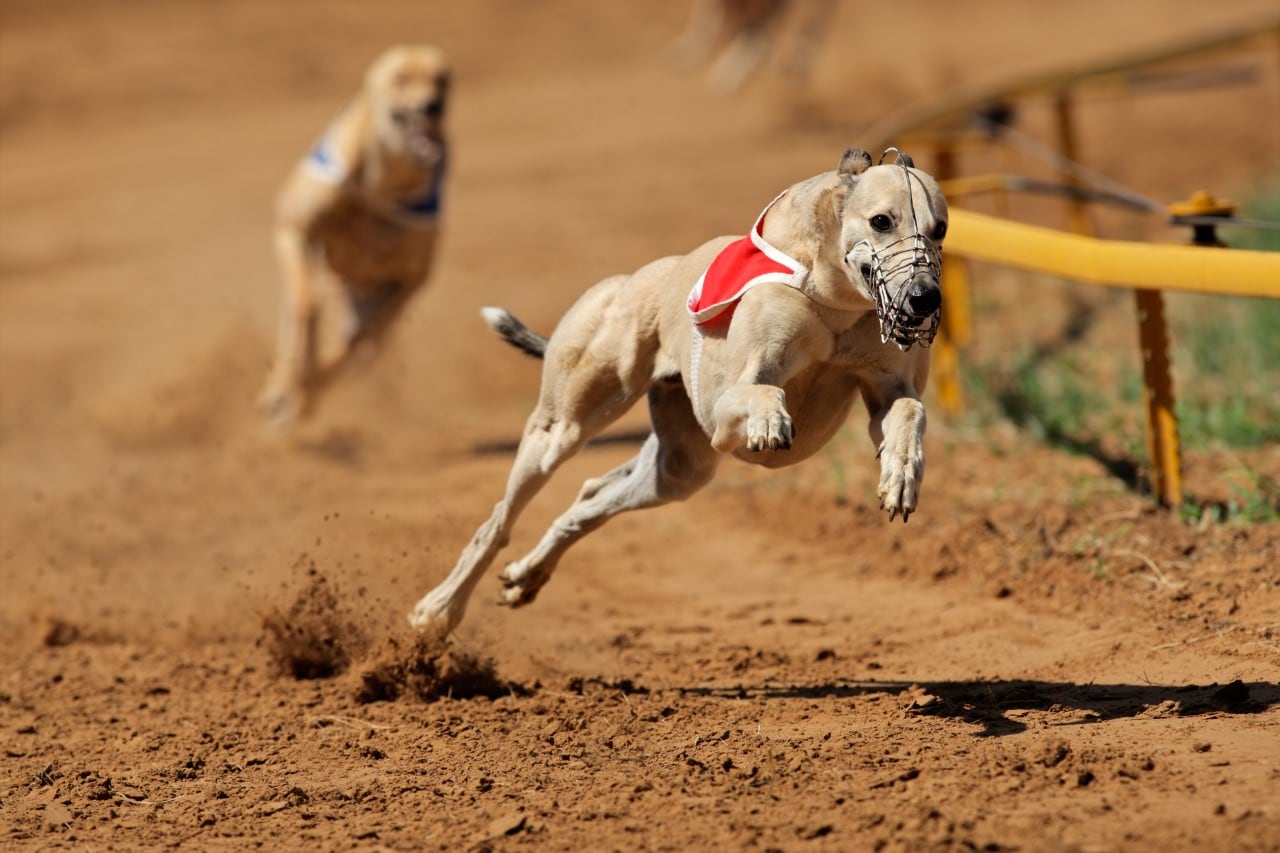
[854,161]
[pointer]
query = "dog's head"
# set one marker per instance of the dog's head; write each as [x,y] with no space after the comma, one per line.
[407,89]
[893,219]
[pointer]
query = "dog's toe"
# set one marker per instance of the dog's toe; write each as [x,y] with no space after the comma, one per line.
[770,432]
[897,494]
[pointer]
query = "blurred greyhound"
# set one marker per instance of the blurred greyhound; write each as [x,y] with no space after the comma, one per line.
[742,33]
[361,211]
[823,301]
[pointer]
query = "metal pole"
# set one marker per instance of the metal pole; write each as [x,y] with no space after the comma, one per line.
[1079,213]
[956,330]
[1162,425]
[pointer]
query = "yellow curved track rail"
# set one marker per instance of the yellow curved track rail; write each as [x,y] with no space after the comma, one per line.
[1113,263]
[1149,270]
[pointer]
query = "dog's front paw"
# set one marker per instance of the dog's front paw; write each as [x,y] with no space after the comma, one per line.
[901,473]
[769,429]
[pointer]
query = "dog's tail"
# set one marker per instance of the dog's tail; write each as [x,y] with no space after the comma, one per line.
[514,332]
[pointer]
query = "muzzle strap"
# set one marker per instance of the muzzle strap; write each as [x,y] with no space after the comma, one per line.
[893,270]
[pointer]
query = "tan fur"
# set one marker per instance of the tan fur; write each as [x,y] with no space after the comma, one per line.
[353,229]
[773,387]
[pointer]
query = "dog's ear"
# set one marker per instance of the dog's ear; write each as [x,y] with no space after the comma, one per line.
[905,160]
[854,161]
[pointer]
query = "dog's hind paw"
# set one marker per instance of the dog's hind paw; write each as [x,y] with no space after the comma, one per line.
[519,587]
[437,613]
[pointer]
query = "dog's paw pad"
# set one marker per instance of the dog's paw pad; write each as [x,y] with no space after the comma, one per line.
[518,588]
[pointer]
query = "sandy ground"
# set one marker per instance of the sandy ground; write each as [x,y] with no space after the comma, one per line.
[203,623]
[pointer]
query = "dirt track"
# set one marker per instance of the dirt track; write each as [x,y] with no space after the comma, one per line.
[1041,660]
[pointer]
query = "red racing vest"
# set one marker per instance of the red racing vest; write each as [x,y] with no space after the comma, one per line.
[740,266]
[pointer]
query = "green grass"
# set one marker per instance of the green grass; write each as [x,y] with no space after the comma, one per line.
[1262,203]
[1225,355]
[1227,370]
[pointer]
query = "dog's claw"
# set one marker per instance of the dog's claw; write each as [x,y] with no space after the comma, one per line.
[771,431]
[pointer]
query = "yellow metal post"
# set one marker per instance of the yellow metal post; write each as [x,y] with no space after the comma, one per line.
[1162,426]
[953,333]
[955,330]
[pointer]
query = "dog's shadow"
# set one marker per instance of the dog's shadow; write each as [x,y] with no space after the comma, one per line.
[507,446]
[989,703]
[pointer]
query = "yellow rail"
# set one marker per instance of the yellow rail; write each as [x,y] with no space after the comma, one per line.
[947,124]
[1147,269]
[1114,263]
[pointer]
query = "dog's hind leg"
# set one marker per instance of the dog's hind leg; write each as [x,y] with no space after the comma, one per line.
[542,448]
[545,443]
[675,461]
[570,411]
[367,322]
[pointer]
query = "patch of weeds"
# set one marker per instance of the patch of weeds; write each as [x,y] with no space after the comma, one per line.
[1256,501]
[1228,350]
[1061,403]
[1071,395]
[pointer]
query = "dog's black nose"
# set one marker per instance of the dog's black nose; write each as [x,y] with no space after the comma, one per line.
[924,297]
[433,108]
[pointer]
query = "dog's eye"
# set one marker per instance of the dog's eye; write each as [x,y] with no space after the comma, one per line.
[881,223]
[939,230]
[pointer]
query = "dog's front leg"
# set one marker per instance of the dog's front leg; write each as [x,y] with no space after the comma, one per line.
[283,397]
[771,338]
[897,430]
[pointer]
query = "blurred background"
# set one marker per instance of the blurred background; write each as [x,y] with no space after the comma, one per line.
[158,542]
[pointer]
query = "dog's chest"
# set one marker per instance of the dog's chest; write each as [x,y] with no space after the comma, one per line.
[362,245]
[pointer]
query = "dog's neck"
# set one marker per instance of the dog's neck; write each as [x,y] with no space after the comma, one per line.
[805,223]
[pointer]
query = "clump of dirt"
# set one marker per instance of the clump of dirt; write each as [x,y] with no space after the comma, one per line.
[428,668]
[60,632]
[315,637]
